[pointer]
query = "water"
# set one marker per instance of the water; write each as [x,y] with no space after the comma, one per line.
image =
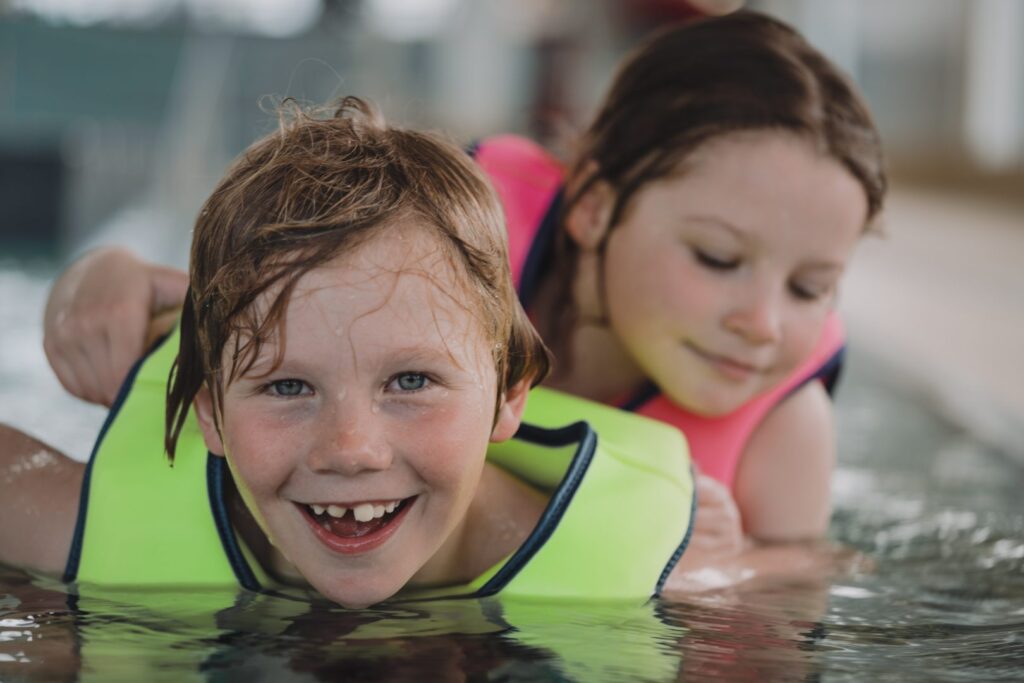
[935,593]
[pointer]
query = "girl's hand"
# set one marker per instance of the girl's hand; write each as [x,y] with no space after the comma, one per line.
[98,319]
[718,529]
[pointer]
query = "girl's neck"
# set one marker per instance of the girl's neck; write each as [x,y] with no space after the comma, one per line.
[598,367]
[592,361]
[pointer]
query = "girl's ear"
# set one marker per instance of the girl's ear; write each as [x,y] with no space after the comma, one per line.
[587,222]
[510,412]
[203,404]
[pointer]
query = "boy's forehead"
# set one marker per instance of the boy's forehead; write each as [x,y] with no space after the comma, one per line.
[401,251]
[405,274]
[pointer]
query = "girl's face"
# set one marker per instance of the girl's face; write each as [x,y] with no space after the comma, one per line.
[359,455]
[719,280]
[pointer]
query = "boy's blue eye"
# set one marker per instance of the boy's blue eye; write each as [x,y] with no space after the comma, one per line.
[714,262]
[410,381]
[287,387]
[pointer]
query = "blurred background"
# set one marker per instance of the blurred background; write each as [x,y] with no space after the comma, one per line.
[117,117]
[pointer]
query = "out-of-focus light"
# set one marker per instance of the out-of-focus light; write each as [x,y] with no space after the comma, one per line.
[993,121]
[86,12]
[407,20]
[276,18]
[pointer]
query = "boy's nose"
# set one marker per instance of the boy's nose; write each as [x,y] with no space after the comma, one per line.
[758,317]
[352,441]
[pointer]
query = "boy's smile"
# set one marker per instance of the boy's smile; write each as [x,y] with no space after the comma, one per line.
[355,527]
[360,452]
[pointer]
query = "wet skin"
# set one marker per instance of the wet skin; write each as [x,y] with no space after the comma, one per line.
[385,393]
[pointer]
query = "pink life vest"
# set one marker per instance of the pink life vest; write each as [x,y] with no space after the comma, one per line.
[529,182]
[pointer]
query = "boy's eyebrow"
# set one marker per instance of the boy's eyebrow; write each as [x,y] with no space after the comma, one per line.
[264,364]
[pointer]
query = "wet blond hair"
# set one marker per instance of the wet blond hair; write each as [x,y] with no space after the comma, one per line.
[322,184]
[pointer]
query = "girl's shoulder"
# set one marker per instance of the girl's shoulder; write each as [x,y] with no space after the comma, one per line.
[527,178]
[512,158]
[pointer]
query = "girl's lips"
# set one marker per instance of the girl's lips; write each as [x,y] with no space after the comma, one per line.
[730,368]
[355,545]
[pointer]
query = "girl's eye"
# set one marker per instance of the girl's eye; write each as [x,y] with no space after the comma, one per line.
[410,381]
[808,292]
[288,387]
[714,262]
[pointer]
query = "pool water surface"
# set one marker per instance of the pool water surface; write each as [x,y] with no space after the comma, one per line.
[933,589]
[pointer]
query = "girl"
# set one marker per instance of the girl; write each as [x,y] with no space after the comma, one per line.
[685,266]
[351,342]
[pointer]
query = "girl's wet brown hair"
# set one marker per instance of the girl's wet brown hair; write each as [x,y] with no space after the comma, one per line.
[322,184]
[691,83]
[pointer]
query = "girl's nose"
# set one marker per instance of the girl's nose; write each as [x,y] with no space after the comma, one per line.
[758,317]
[352,440]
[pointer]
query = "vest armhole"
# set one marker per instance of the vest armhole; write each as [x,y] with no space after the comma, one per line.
[539,254]
[78,536]
[579,432]
[215,481]
[674,560]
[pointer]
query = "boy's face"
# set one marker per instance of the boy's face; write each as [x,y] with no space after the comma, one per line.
[361,452]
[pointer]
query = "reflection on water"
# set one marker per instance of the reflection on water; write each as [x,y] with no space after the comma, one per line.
[939,594]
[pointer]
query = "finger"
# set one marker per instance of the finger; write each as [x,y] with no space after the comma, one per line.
[121,349]
[90,372]
[70,364]
[168,288]
[65,375]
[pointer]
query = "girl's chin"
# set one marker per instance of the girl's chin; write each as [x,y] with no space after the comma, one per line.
[711,406]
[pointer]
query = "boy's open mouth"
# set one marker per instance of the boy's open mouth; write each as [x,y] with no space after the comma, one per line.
[346,527]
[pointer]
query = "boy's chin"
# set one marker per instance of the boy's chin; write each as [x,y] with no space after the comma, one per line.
[358,599]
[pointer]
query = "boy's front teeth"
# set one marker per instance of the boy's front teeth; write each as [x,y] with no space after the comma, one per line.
[363,512]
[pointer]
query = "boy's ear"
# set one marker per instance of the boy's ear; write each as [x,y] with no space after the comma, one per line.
[203,404]
[510,412]
[587,222]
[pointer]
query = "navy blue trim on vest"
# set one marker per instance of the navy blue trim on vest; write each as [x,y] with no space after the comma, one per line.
[828,373]
[75,551]
[686,538]
[644,394]
[578,432]
[538,258]
[216,476]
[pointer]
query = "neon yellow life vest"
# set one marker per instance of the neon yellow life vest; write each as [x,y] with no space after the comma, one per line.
[619,514]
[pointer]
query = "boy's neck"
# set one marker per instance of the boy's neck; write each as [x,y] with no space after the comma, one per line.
[245,525]
[501,516]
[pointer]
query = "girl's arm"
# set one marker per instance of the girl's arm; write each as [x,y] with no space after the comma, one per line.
[39,492]
[100,317]
[783,483]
